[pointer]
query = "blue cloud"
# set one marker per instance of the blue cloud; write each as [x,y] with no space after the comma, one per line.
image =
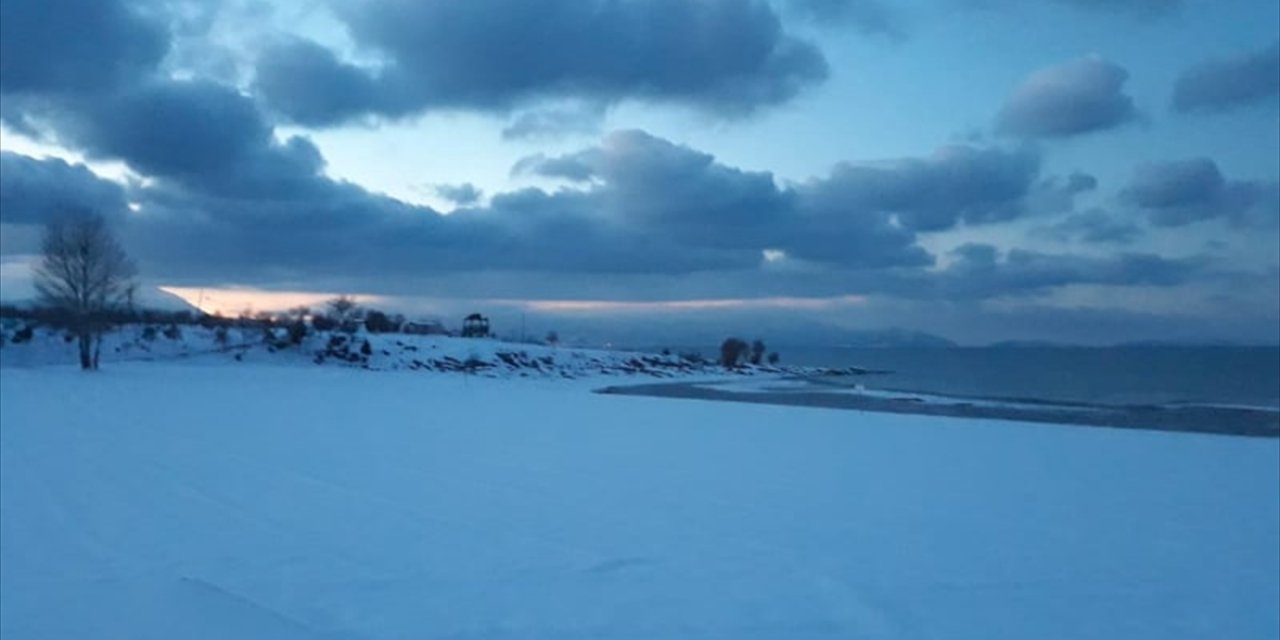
[1182,192]
[1073,98]
[730,57]
[1222,85]
[37,191]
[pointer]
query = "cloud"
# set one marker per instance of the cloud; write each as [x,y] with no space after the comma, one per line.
[555,122]
[730,57]
[309,84]
[1222,85]
[1094,226]
[981,271]
[75,47]
[36,191]
[1139,7]
[1054,195]
[645,210]
[1136,9]
[460,194]
[653,186]
[868,16]
[225,199]
[957,184]
[1073,98]
[1181,192]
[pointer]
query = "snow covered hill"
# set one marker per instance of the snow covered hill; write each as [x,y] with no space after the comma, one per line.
[386,352]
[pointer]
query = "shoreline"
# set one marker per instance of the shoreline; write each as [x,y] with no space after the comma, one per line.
[1227,421]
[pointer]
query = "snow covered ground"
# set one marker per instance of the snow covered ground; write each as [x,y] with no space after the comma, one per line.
[164,500]
[386,352]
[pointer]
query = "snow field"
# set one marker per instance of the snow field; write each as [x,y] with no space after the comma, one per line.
[156,500]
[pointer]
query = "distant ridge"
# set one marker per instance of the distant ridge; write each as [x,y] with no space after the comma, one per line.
[1132,344]
[1193,343]
[894,338]
[145,299]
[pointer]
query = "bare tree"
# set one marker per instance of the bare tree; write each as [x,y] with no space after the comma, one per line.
[342,306]
[84,276]
[346,312]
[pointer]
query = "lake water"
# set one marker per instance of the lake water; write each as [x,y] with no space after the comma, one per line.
[1235,376]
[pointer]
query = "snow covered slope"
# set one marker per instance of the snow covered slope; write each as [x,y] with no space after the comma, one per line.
[482,357]
[156,500]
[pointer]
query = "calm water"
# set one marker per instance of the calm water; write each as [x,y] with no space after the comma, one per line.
[1248,376]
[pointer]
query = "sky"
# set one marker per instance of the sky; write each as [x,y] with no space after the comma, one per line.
[1080,171]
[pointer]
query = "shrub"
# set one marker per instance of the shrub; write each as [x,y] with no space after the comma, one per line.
[774,358]
[172,332]
[323,323]
[378,322]
[297,331]
[731,351]
[25,334]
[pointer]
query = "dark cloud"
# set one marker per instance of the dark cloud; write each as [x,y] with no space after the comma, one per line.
[1178,193]
[859,215]
[980,271]
[1073,98]
[36,191]
[868,16]
[530,243]
[1220,85]
[75,46]
[644,207]
[728,56]
[180,129]
[461,194]
[655,187]
[226,200]
[957,184]
[1094,226]
[309,84]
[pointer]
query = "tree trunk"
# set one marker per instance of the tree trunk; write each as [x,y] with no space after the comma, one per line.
[97,349]
[86,354]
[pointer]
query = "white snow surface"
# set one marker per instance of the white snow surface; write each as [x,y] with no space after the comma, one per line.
[167,500]
[427,354]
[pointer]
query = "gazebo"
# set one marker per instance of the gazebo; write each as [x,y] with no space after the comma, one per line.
[475,326]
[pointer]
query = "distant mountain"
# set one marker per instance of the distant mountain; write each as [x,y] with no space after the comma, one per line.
[146,298]
[1030,344]
[1139,344]
[155,299]
[886,338]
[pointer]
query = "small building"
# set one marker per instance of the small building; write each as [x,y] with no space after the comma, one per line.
[425,328]
[475,326]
